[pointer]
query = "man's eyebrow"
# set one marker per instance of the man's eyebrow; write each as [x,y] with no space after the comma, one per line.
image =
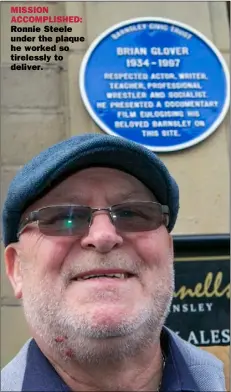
[69,198]
[79,197]
[131,194]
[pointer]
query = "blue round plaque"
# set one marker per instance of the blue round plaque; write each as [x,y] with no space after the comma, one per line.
[156,82]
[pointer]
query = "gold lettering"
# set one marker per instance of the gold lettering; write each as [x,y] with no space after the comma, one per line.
[207,284]
[197,290]
[202,289]
[217,285]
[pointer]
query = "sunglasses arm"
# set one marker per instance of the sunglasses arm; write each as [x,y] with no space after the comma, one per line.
[32,217]
[165,211]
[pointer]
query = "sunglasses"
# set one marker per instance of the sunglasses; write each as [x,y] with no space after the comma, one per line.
[71,220]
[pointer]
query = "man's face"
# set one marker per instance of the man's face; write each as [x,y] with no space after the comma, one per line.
[92,318]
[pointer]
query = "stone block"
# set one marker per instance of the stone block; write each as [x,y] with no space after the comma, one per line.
[26,134]
[102,15]
[77,8]
[14,332]
[7,175]
[80,120]
[220,24]
[30,89]
[6,288]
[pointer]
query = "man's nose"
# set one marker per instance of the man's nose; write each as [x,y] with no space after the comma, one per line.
[102,234]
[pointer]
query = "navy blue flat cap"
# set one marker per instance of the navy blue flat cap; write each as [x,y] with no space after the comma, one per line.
[51,166]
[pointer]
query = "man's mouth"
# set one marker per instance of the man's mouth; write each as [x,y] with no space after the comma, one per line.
[112,276]
[103,274]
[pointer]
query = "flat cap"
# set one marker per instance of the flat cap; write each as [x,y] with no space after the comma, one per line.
[55,163]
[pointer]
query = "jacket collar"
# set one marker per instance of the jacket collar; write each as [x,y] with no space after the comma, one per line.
[41,376]
[177,376]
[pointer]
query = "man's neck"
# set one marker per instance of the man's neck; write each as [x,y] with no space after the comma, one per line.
[136,374]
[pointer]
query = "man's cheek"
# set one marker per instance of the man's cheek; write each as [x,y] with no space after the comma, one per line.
[30,244]
[149,250]
[54,251]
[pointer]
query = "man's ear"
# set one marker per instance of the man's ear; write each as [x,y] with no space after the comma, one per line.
[13,268]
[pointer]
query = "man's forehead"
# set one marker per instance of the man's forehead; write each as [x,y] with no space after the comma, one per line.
[101,172]
[75,187]
[107,176]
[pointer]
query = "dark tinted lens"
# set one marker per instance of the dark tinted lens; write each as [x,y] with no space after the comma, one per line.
[137,216]
[64,220]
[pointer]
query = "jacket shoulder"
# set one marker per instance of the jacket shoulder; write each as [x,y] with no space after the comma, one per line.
[206,369]
[195,355]
[12,374]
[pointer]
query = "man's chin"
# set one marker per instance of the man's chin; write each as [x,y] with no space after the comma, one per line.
[104,327]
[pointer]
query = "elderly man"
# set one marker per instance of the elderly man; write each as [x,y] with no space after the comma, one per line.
[86,227]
